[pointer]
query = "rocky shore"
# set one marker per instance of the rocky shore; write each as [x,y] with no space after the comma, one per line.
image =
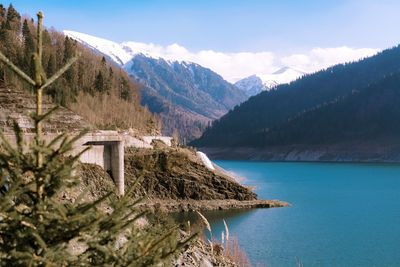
[161,205]
[176,180]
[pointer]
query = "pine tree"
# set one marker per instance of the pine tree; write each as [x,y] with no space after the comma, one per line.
[29,44]
[2,14]
[103,62]
[51,66]
[68,49]
[13,19]
[36,229]
[70,75]
[99,82]
[124,90]
[29,48]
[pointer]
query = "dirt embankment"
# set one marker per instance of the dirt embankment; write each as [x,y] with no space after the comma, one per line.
[220,204]
[173,180]
[177,174]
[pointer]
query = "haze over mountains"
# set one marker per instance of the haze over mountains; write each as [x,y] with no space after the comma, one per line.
[349,110]
[255,84]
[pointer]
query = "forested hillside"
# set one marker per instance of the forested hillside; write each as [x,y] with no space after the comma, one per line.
[354,101]
[97,90]
[369,114]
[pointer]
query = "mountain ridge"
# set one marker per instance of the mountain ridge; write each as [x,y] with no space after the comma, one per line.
[186,95]
[344,103]
[256,83]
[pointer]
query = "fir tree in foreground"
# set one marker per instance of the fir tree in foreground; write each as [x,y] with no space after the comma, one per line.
[36,229]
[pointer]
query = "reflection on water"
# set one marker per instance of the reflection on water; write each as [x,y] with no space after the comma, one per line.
[341,214]
[212,216]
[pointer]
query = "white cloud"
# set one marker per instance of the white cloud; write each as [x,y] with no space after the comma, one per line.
[320,58]
[231,66]
[235,66]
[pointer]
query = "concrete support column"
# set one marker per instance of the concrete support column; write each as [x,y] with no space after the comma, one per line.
[117,165]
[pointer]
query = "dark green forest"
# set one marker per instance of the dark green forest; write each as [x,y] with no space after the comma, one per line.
[352,101]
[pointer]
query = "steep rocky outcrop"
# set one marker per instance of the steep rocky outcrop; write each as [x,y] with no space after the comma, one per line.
[178,174]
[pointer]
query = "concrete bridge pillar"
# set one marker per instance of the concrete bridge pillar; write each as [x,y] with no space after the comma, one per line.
[117,165]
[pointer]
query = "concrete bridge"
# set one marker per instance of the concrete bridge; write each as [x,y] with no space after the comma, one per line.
[107,146]
[107,150]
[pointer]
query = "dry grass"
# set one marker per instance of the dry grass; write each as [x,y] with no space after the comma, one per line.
[112,112]
[233,251]
[230,245]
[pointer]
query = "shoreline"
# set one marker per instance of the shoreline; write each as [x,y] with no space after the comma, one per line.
[170,205]
[312,154]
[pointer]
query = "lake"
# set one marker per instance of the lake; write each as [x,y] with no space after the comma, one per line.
[341,214]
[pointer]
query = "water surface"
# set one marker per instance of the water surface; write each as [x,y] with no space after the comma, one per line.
[341,214]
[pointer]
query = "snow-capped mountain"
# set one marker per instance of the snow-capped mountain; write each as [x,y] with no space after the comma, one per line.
[255,84]
[186,95]
[281,76]
[112,50]
[120,53]
[251,85]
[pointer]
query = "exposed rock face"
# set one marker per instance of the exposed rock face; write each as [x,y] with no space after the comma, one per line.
[17,104]
[178,174]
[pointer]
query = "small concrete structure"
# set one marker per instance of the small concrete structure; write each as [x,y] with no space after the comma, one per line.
[131,141]
[107,146]
[107,151]
[165,139]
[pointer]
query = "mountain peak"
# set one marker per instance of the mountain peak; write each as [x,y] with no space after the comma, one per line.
[255,84]
[106,47]
[251,85]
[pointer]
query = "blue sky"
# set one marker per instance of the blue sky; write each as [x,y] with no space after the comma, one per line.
[235,38]
[229,25]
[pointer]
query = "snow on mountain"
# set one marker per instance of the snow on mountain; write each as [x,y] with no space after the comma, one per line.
[281,76]
[124,53]
[113,50]
[255,84]
[251,85]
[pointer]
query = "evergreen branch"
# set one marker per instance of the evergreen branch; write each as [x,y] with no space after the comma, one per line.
[15,69]
[80,197]
[134,219]
[93,204]
[18,136]
[152,245]
[56,139]
[40,241]
[59,72]
[39,118]
[180,245]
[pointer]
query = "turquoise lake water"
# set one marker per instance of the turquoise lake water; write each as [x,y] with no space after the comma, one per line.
[341,214]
